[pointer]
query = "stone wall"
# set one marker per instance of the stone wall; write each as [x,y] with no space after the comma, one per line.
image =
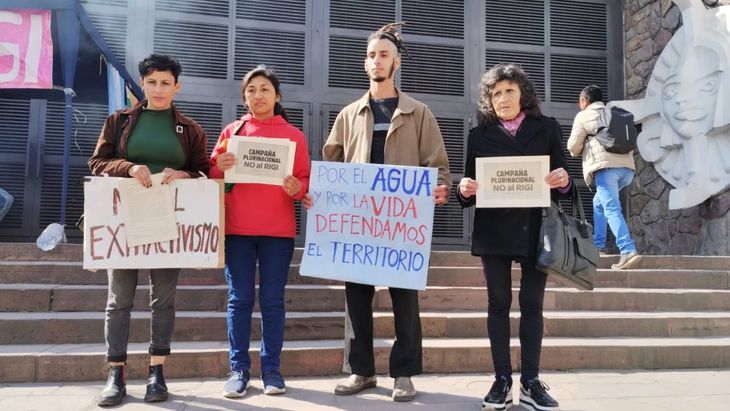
[701,230]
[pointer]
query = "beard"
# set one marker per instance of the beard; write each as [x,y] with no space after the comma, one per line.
[380,79]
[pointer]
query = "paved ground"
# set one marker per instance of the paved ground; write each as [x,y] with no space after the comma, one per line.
[706,390]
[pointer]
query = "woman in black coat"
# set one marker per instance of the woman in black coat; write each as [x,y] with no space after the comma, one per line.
[512,125]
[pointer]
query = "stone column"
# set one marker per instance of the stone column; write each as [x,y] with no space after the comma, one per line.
[700,230]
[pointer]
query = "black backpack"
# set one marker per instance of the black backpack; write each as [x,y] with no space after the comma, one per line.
[616,131]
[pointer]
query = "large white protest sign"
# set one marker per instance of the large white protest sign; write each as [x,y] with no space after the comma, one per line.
[260,160]
[370,224]
[199,213]
[517,181]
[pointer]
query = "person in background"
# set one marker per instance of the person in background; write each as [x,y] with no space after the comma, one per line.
[609,171]
[151,137]
[512,124]
[386,126]
[260,228]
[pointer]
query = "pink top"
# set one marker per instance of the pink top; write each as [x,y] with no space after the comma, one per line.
[513,125]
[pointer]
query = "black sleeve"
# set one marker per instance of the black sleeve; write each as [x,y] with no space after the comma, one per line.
[469,170]
[557,156]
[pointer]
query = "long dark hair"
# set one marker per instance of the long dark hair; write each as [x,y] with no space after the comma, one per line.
[529,102]
[269,74]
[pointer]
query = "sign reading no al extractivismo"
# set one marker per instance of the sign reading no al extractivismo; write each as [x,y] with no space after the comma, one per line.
[513,181]
[260,160]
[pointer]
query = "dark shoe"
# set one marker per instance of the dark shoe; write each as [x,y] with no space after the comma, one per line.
[236,385]
[115,389]
[403,390]
[354,384]
[499,397]
[534,396]
[626,261]
[156,387]
[273,382]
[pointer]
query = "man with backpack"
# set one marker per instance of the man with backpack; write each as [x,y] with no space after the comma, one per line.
[593,137]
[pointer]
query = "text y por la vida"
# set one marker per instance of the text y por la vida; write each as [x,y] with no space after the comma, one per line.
[512,180]
[386,215]
[108,240]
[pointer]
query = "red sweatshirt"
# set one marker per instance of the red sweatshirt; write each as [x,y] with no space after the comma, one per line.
[263,209]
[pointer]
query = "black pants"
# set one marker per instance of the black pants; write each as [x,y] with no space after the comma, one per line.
[497,272]
[406,354]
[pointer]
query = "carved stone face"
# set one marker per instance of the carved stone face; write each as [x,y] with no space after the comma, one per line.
[689,95]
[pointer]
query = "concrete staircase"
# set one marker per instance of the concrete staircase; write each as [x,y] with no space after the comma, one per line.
[667,312]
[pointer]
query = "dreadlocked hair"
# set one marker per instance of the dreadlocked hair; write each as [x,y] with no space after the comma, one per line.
[391,32]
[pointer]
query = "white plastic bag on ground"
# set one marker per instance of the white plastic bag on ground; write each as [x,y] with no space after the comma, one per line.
[51,236]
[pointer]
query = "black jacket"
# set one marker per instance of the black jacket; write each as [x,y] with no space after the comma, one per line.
[511,231]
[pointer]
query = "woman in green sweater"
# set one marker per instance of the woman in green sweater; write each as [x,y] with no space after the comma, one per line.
[151,137]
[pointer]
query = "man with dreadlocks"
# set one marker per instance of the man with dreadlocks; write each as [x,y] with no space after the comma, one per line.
[386,126]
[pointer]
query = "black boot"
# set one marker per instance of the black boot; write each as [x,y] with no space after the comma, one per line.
[156,387]
[115,388]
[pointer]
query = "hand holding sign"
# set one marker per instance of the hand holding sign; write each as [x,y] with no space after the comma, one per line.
[557,178]
[142,174]
[468,187]
[440,195]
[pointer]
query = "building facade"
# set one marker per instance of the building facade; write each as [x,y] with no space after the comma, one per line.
[317,47]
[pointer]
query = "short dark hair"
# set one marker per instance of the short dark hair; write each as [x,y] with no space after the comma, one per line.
[159,62]
[268,73]
[391,32]
[592,93]
[529,102]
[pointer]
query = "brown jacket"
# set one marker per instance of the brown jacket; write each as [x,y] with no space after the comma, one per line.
[413,139]
[105,160]
[595,157]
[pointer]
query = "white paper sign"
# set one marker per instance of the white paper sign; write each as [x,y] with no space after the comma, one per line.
[148,212]
[512,181]
[370,224]
[198,205]
[260,160]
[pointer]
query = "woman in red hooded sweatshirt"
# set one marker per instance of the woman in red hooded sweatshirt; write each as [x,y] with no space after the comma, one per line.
[260,228]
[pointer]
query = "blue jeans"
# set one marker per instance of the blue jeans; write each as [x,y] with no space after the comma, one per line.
[607,208]
[274,254]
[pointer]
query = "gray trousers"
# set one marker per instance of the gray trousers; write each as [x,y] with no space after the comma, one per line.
[120,300]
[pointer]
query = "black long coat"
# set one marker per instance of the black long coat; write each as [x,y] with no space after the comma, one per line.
[511,231]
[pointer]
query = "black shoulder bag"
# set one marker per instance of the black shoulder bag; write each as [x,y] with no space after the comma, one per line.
[565,247]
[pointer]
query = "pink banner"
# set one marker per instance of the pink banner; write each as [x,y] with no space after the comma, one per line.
[26,49]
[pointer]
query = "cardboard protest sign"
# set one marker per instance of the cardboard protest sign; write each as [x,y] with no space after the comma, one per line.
[260,160]
[370,224]
[199,209]
[512,181]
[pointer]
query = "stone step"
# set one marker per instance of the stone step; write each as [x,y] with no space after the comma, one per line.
[49,297]
[88,327]
[71,273]
[85,362]
[73,252]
